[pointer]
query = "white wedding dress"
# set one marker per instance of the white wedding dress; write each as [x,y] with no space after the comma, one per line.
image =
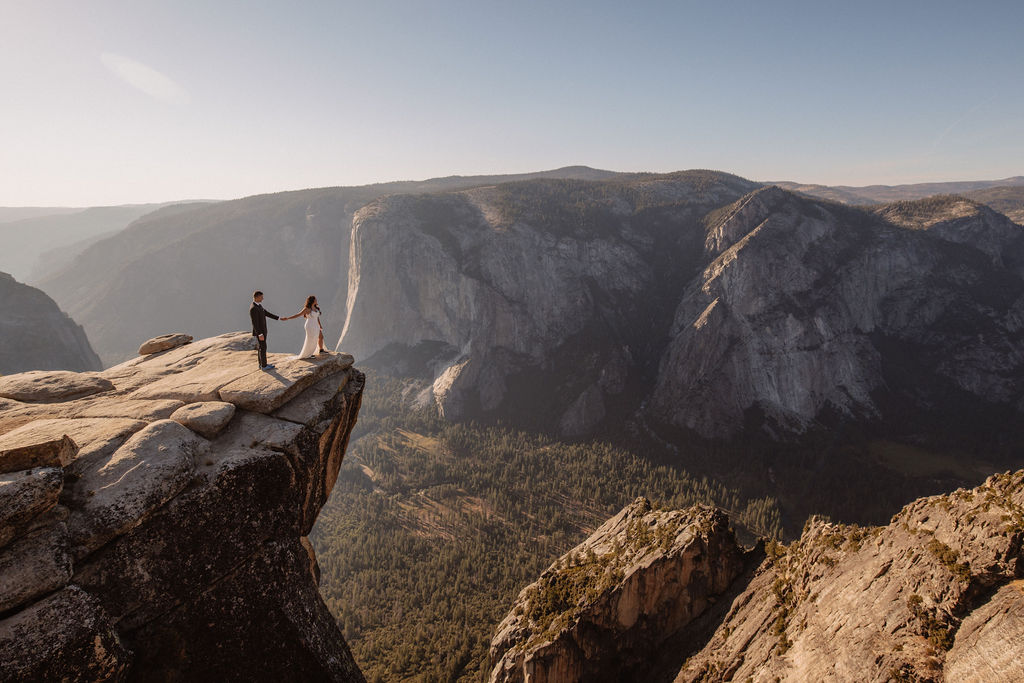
[312,335]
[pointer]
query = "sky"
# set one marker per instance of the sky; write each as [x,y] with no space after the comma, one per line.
[131,101]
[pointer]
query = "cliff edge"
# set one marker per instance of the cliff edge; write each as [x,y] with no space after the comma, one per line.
[153,517]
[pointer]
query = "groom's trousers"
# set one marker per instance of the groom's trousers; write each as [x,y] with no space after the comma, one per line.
[261,350]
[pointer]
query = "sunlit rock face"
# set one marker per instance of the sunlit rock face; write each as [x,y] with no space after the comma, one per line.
[934,595]
[153,518]
[37,335]
[669,595]
[606,609]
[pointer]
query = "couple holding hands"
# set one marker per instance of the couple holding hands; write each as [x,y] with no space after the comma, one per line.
[314,330]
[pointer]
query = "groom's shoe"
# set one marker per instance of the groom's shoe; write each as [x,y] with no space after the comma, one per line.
[268,367]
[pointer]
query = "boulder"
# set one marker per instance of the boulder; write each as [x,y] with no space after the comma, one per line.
[207,418]
[25,495]
[143,474]
[34,565]
[164,342]
[66,637]
[52,386]
[24,448]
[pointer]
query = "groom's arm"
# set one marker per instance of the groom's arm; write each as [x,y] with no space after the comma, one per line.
[270,315]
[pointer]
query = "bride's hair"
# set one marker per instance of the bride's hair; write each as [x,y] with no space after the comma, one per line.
[309,303]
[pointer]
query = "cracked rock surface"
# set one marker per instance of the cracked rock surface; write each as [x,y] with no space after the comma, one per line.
[138,547]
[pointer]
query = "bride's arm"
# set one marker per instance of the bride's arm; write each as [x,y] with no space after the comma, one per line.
[304,311]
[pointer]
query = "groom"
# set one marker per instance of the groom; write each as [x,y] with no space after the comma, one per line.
[259,327]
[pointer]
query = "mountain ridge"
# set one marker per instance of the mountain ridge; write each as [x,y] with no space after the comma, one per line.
[37,335]
[878,194]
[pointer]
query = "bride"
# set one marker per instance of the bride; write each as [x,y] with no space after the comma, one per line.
[314,330]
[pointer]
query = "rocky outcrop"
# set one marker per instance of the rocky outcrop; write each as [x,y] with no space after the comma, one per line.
[807,309]
[936,595]
[603,611]
[38,386]
[933,596]
[138,547]
[37,335]
[569,279]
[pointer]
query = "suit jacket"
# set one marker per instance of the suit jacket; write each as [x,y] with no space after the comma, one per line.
[259,316]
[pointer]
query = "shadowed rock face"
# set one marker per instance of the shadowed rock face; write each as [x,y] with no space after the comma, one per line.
[137,547]
[37,335]
[933,596]
[604,610]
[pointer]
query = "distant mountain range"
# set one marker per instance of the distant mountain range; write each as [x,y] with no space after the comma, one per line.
[17,213]
[25,239]
[509,272]
[879,194]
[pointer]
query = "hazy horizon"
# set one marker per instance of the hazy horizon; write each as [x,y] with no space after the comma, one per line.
[118,103]
[381,182]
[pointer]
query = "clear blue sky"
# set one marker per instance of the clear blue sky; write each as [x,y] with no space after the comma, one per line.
[134,101]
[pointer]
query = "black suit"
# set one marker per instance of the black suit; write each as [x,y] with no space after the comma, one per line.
[259,326]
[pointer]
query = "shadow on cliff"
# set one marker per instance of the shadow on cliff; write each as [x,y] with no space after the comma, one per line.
[693,637]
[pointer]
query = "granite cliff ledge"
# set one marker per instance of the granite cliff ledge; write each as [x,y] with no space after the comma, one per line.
[153,517]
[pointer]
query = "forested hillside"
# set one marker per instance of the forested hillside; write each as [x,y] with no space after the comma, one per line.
[433,528]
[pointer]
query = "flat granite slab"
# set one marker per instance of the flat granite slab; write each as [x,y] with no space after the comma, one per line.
[88,435]
[309,407]
[148,410]
[143,371]
[264,391]
[201,381]
[52,386]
